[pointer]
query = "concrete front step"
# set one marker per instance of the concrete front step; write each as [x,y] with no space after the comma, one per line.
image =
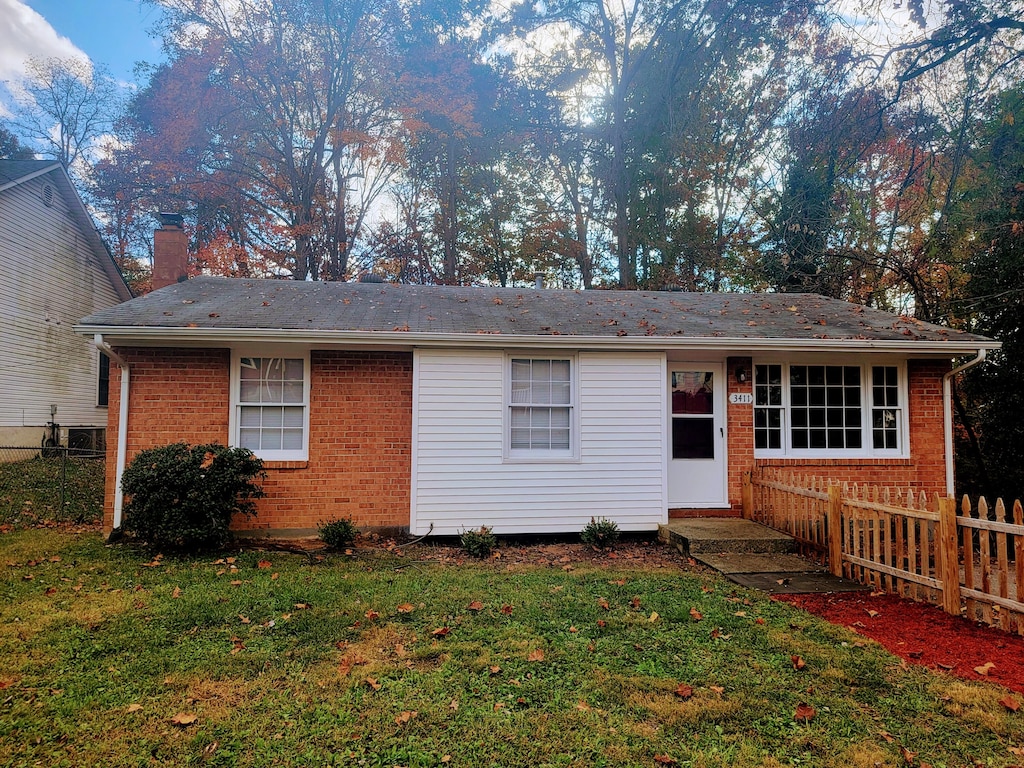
[710,535]
[752,562]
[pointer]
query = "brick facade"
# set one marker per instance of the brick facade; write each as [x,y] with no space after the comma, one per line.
[924,470]
[360,432]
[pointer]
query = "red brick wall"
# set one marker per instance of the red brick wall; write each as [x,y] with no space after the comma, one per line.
[924,470]
[360,432]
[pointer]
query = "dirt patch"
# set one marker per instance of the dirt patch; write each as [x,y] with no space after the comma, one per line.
[923,634]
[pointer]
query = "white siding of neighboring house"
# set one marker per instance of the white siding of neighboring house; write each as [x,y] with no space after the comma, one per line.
[50,279]
[461,481]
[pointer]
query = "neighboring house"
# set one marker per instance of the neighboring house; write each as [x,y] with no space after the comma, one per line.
[55,270]
[440,409]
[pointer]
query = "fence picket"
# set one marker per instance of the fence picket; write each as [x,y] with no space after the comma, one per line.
[1002,565]
[968,553]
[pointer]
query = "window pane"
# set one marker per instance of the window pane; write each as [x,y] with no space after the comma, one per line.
[293,416]
[249,417]
[692,392]
[560,418]
[272,418]
[249,438]
[693,438]
[293,392]
[249,391]
[292,440]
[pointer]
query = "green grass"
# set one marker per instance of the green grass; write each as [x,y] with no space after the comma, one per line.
[98,654]
[51,489]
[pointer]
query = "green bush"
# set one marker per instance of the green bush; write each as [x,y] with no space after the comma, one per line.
[600,533]
[183,498]
[479,543]
[338,533]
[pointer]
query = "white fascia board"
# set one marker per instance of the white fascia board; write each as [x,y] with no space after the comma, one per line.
[225,337]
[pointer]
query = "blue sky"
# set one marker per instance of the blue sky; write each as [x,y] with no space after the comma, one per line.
[109,32]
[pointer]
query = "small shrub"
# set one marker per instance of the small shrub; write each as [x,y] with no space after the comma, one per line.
[338,533]
[183,498]
[600,533]
[479,543]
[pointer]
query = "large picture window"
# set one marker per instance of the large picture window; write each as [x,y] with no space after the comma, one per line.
[840,410]
[271,406]
[540,407]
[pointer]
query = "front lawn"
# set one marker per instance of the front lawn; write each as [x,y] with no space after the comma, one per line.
[113,658]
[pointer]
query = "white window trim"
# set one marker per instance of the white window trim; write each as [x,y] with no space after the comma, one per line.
[867,451]
[237,354]
[536,455]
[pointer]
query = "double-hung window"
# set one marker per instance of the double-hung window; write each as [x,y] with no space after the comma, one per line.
[270,413]
[829,410]
[540,419]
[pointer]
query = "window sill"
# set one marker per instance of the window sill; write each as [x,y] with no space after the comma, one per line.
[826,461]
[277,464]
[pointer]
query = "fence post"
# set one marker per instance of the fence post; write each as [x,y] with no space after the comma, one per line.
[748,497]
[949,559]
[834,525]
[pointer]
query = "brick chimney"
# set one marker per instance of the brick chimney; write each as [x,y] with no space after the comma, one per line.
[170,251]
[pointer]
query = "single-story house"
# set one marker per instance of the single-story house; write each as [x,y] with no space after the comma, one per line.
[439,408]
[56,268]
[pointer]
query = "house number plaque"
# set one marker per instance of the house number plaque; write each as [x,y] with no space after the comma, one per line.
[741,398]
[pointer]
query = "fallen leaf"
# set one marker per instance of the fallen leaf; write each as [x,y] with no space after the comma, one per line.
[441,632]
[405,717]
[1010,703]
[372,682]
[985,668]
[495,670]
[696,615]
[176,593]
[207,459]
[476,605]
[406,608]
[908,755]
[263,564]
[602,623]
[537,655]
[635,603]
[654,617]
[804,712]
[603,603]
[183,719]
[798,662]
[371,614]
[665,760]
[717,689]
[209,749]
[759,621]
[684,691]
[236,583]
[446,759]
[301,606]
[454,705]
[871,613]
[244,619]
[582,706]
[273,576]
[507,610]
[133,708]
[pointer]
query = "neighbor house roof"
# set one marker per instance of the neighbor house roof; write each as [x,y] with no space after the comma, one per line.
[208,311]
[16,172]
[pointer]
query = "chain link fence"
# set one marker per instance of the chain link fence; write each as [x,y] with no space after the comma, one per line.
[51,484]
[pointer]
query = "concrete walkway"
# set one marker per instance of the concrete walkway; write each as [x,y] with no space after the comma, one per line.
[752,555]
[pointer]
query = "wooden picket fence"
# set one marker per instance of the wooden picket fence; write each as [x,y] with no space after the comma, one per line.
[968,559]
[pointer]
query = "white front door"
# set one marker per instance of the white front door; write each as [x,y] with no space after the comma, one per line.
[697,461]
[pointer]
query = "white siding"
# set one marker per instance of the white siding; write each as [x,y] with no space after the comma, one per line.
[462,481]
[50,280]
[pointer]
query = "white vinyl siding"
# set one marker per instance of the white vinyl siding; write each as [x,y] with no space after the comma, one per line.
[462,479]
[51,279]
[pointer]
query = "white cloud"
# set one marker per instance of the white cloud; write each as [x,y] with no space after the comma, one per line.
[24,34]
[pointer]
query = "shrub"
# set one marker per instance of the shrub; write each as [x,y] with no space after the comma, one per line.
[183,498]
[338,533]
[479,543]
[600,533]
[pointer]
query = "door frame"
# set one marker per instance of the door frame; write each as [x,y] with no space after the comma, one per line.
[721,414]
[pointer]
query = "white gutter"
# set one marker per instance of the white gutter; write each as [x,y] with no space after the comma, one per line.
[947,416]
[194,337]
[122,425]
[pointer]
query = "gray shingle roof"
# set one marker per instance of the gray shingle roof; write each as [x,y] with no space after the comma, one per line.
[12,170]
[223,304]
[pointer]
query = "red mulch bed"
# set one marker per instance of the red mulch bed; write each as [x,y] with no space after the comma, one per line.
[923,634]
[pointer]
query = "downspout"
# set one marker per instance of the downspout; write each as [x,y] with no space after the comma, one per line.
[122,424]
[947,416]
